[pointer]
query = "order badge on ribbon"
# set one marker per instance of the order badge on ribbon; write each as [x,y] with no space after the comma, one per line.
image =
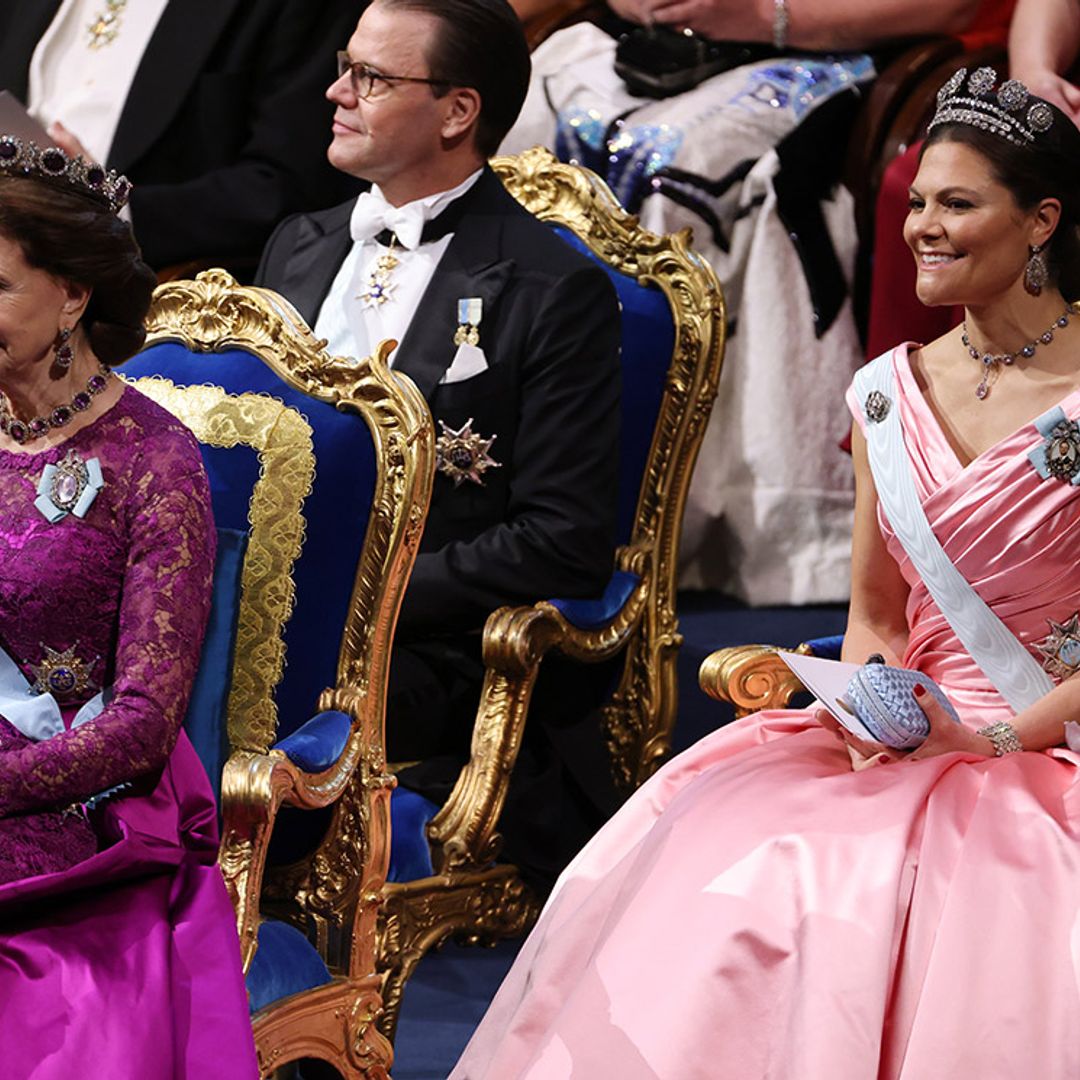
[68,487]
[1058,455]
[470,312]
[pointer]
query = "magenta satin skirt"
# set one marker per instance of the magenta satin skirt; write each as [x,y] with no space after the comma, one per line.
[127,965]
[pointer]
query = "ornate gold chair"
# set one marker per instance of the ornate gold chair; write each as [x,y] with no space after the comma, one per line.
[672,337]
[320,474]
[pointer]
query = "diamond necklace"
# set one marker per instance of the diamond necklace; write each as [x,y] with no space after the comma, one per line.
[992,362]
[24,431]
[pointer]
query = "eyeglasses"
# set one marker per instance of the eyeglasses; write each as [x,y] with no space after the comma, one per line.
[362,79]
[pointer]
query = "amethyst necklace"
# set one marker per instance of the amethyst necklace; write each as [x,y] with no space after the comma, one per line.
[24,431]
[992,362]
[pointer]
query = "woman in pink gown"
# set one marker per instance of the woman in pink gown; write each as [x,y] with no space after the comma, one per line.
[781,903]
[118,948]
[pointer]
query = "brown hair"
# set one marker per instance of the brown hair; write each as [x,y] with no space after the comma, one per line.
[78,238]
[481,44]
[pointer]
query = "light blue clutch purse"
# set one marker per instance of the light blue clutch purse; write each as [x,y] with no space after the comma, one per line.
[881,697]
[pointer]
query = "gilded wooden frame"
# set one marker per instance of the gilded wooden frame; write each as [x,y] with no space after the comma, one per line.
[334,894]
[751,677]
[470,896]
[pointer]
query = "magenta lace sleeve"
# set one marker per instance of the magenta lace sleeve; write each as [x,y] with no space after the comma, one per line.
[163,609]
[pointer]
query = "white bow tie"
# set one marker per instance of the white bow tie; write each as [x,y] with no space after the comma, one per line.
[372,214]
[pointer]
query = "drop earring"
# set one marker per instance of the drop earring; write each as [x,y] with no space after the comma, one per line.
[63,353]
[1036,273]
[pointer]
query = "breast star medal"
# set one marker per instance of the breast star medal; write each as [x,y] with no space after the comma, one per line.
[463,455]
[61,674]
[68,487]
[379,287]
[470,312]
[1061,647]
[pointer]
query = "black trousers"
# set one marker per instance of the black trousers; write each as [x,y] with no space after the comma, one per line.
[561,789]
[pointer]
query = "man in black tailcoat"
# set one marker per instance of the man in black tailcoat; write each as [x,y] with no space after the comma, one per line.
[512,338]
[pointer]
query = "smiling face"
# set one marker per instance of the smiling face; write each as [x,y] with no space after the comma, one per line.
[399,131]
[33,307]
[969,237]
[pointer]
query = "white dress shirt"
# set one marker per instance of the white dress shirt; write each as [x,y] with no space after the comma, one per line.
[353,328]
[84,88]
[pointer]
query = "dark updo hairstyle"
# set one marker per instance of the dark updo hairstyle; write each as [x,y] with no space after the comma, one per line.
[79,238]
[1047,168]
[481,44]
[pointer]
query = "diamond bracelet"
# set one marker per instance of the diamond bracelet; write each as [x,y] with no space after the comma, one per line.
[1003,736]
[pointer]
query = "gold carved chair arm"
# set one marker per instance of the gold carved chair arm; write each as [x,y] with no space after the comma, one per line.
[255,785]
[750,677]
[464,832]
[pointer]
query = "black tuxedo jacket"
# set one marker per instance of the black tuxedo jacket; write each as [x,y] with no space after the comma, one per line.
[542,524]
[225,128]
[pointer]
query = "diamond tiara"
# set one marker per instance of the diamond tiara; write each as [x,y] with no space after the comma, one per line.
[24,158]
[1011,113]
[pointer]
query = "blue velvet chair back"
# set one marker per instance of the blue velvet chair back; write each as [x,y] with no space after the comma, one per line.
[336,510]
[648,341]
[206,722]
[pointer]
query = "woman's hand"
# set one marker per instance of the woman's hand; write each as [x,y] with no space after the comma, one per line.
[720,20]
[638,11]
[863,752]
[946,735]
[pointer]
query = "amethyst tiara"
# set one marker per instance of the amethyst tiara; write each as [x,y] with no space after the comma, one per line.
[1012,113]
[24,158]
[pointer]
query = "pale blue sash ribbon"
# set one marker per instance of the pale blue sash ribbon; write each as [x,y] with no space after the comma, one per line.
[1006,663]
[37,716]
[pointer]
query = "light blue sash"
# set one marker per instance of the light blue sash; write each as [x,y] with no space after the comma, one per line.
[37,716]
[1006,663]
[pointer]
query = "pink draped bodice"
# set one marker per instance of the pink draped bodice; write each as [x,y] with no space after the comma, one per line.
[1014,536]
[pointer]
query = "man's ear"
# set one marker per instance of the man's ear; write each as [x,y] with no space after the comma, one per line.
[462,112]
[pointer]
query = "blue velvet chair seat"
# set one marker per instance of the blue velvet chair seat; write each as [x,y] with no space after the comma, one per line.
[285,963]
[410,855]
[316,745]
[594,614]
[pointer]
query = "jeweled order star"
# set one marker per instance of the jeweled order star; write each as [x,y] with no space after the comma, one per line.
[61,673]
[1061,647]
[463,454]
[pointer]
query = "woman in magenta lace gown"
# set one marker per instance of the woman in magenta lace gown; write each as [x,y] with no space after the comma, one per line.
[118,949]
[783,902]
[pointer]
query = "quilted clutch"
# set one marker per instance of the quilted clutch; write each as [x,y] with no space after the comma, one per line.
[881,697]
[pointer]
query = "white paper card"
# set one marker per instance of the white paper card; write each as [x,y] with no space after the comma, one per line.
[827,680]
